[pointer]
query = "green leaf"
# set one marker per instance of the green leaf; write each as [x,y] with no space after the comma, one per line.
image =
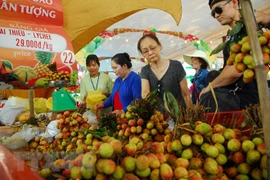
[219,48]
[113,126]
[170,103]
[7,64]
[241,12]
[13,75]
[166,103]
[236,29]
[174,103]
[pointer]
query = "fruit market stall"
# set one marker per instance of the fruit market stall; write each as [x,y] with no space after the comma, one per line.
[152,140]
[144,143]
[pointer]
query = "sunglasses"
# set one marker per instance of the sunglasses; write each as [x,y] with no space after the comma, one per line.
[218,9]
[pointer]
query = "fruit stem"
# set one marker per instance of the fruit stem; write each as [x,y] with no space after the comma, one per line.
[186,129]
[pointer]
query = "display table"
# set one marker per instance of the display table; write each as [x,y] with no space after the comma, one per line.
[13,168]
[24,93]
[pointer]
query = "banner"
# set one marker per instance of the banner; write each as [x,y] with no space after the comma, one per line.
[33,43]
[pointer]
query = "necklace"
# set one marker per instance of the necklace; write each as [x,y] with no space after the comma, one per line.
[95,88]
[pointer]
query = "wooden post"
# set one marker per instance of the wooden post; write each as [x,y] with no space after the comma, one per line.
[251,26]
[31,103]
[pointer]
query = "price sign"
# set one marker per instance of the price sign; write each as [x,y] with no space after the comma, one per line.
[68,57]
[31,40]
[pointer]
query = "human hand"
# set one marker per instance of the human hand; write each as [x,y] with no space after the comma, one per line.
[262,18]
[118,112]
[85,96]
[99,106]
[204,91]
[105,93]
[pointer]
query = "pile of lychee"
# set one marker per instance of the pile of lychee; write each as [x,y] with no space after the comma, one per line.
[242,59]
[210,152]
[74,136]
[203,152]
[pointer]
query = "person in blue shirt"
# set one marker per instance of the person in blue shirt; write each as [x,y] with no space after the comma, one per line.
[198,61]
[127,86]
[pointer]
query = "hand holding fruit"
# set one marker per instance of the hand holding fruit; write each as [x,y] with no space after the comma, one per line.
[242,59]
[99,107]
[106,93]
[118,112]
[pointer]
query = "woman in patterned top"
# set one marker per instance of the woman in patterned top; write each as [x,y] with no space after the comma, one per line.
[162,74]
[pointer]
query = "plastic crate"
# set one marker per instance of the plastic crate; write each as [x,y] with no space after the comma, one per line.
[230,119]
[63,101]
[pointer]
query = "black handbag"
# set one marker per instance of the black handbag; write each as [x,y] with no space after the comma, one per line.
[221,99]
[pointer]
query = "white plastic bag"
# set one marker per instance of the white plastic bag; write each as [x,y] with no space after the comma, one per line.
[92,118]
[20,139]
[30,132]
[17,102]
[16,141]
[13,107]
[51,130]
[171,123]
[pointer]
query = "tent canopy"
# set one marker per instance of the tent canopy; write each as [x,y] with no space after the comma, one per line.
[84,20]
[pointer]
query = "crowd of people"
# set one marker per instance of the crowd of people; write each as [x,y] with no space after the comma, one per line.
[169,75]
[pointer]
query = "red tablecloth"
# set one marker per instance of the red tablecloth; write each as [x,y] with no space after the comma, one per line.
[12,168]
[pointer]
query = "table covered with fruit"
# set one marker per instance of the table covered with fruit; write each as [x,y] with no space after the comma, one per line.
[142,143]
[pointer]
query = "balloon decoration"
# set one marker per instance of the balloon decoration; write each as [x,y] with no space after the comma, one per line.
[97,41]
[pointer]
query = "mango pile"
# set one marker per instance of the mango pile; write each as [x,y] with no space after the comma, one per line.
[242,59]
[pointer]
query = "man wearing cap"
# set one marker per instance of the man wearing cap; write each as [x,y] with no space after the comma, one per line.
[198,61]
[226,13]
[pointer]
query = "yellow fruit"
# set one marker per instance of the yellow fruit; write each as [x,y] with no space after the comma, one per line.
[49,103]
[24,116]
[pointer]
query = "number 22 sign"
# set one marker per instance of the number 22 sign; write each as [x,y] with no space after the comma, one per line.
[68,57]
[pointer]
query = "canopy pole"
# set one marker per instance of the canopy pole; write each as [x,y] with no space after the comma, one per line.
[31,103]
[251,26]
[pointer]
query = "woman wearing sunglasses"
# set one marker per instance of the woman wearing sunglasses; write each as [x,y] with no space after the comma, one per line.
[227,13]
[162,74]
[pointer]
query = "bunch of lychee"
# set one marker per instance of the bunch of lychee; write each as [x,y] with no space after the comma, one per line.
[98,161]
[153,129]
[226,150]
[74,137]
[242,59]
